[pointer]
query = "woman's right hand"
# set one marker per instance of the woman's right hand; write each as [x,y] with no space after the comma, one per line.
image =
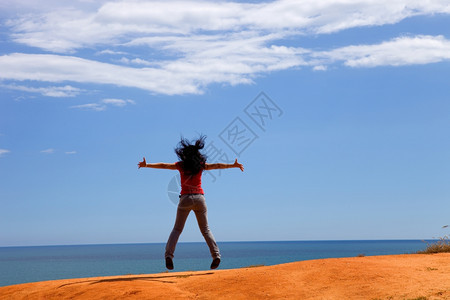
[142,164]
[238,165]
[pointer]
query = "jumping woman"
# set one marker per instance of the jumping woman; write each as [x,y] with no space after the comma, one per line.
[191,164]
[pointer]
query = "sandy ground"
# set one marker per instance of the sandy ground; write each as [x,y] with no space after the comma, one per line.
[409,276]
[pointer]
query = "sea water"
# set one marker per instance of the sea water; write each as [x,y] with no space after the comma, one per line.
[29,264]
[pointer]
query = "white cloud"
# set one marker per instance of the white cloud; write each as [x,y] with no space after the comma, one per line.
[3,152]
[114,22]
[57,68]
[118,102]
[115,102]
[48,151]
[400,51]
[52,91]
[230,61]
[103,104]
[204,42]
[320,68]
[137,61]
[9,7]
[70,152]
[90,106]
[111,52]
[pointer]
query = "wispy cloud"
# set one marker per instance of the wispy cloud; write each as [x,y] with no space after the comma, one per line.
[118,102]
[57,68]
[115,22]
[219,64]
[103,104]
[48,151]
[421,49]
[138,61]
[70,152]
[90,106]
[3,152]
[52,91]
[111,52]
[206,42]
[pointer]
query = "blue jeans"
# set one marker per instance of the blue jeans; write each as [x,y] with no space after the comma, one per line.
[197,203]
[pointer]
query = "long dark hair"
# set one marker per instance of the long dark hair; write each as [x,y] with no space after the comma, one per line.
[189,153]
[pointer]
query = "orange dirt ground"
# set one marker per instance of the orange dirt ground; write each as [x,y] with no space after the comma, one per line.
[409,276]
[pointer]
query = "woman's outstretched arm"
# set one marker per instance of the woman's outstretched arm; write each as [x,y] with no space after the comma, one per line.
[224,166]
[144,164]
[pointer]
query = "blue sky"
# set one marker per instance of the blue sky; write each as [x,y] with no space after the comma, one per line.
[354,97]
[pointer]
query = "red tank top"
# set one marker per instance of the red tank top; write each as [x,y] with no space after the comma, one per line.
[190,184]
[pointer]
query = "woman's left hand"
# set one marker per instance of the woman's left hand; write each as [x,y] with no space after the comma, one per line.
[142,164]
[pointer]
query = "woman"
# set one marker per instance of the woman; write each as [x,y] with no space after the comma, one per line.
[191,164]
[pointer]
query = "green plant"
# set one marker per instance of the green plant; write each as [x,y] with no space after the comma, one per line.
[440,246]
[254,266]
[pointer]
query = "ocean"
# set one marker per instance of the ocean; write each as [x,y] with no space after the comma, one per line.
[39,263]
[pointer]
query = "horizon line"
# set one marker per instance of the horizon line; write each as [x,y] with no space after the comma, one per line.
[199,242]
